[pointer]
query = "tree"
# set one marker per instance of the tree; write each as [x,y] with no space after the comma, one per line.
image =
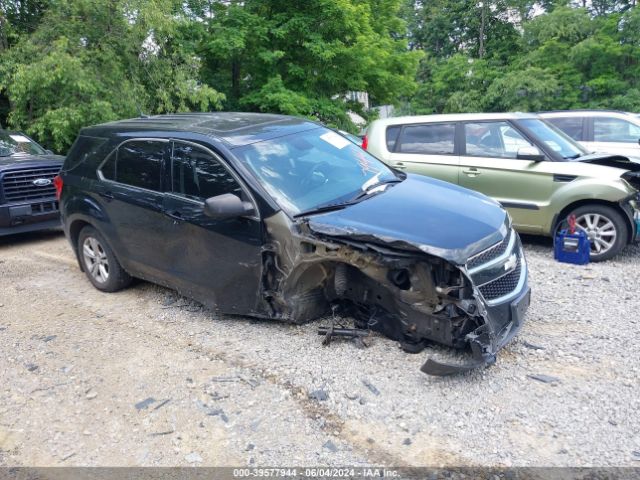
[89,62]
[569,57]
[303,58]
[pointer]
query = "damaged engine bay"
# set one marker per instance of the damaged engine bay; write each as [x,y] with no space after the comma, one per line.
[405,294]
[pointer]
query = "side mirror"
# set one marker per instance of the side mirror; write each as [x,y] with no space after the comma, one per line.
[530,153]
[48,152]
[226,206]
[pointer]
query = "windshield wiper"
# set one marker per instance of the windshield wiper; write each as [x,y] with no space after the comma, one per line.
[340,205]
[369,189]
[323,208]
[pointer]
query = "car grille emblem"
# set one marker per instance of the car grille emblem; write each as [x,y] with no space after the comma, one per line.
[42,182]
[511,263]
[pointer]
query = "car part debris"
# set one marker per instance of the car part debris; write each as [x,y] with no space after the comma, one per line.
[544,378]
[330,331]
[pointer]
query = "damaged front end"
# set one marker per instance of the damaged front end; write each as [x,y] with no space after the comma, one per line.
[401,290]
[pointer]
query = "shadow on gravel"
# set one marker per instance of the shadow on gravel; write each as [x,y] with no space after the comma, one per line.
[30,237]
[536,240]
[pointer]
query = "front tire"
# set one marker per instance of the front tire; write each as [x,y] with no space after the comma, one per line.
[606,229]
[99,263]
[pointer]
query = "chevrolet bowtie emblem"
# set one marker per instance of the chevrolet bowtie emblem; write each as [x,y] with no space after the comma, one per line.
[511,262]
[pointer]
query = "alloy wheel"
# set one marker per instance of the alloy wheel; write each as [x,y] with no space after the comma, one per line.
[600,230]
[95,259]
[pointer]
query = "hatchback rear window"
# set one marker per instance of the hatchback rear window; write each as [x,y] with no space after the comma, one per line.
[437,139]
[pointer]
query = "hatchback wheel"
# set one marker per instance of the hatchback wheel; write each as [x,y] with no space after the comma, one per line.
[99,263]
[605,229]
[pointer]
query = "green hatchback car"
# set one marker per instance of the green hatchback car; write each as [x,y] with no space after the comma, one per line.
[540,175]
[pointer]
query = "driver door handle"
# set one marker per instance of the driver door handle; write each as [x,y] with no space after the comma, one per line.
[472,172]
[400,166]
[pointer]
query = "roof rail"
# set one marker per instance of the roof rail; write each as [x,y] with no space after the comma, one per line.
[584,110]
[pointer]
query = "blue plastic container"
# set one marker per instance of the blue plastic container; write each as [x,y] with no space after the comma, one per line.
[572,247]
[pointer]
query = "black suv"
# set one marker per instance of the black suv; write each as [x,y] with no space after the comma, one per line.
[282,218]
[27,191]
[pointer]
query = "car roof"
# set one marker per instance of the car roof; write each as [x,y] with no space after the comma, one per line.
[233,128]
[455,117]
[587,113]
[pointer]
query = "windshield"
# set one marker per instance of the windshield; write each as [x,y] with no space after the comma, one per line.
[16,143]
[554,138]
[313,169]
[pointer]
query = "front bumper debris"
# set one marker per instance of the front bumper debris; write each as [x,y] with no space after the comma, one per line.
[474,306]
[485,344]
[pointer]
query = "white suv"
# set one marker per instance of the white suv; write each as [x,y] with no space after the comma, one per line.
[600,131]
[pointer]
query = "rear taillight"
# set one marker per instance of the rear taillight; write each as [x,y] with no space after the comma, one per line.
[365,142]
[57,182]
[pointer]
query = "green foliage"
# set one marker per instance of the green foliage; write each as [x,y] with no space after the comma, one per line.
[303,58]
[88,62]
[69,63]
[524,91]
[566,58]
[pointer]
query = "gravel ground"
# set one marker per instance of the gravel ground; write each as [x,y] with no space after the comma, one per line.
[146,377]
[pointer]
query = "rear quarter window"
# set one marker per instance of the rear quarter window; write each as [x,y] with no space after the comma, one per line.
[392,136]
[85,149]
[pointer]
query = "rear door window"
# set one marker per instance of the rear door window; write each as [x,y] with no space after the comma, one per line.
[571,126]
[615,130]
[197,175]
[137,163]
[435,139]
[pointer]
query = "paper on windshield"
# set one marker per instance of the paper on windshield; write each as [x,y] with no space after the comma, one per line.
[336,140]
[20,138]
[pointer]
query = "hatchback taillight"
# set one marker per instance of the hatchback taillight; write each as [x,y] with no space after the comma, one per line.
[365,142]
[57,182]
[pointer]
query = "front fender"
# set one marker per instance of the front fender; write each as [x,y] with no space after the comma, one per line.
[583,190]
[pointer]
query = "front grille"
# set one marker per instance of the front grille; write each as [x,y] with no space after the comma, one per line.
[18,185]
[490,253]
[503,285]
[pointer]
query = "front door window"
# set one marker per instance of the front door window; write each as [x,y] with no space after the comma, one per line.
[615,130]
[195,174]
[493,139]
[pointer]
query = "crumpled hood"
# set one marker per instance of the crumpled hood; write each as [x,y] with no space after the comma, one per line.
[27,160]
[420,213]
[618,161]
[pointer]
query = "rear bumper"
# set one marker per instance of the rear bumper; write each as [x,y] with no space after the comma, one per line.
[19,218]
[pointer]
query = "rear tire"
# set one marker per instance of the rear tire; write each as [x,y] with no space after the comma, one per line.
[99,263]
[607,230]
